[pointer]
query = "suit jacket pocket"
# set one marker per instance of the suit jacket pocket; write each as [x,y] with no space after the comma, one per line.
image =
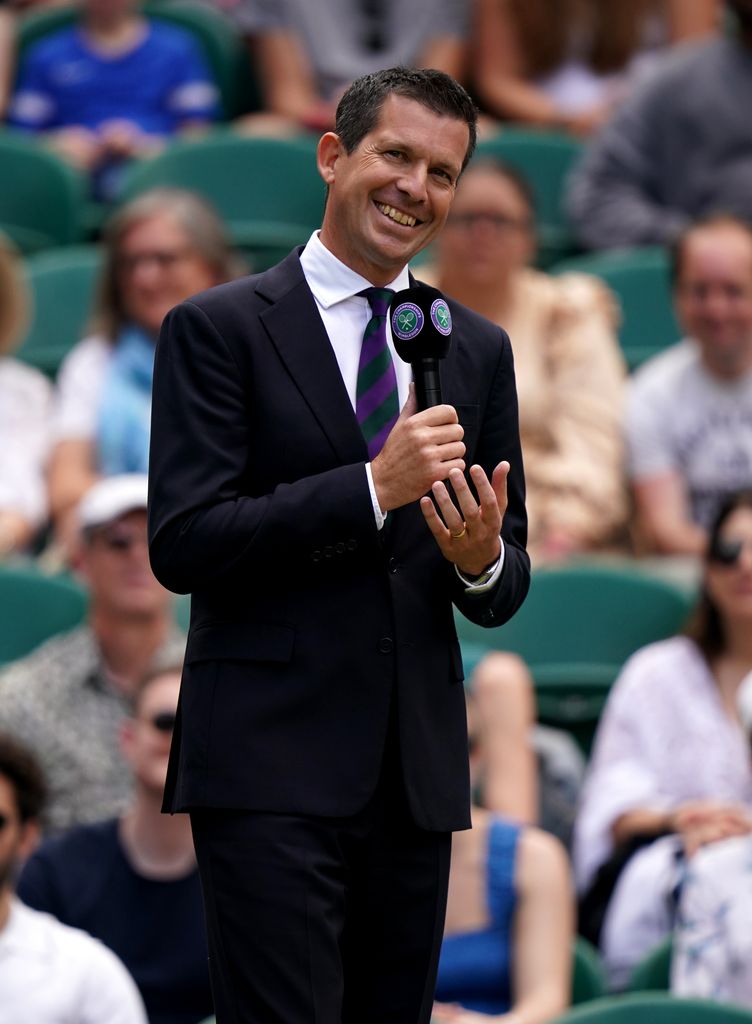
[240,641]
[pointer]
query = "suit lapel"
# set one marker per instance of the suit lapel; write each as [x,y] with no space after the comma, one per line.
[297,332]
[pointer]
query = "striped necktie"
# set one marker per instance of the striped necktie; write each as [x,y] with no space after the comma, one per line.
[377,400]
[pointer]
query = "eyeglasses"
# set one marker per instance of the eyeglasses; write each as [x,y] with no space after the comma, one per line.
[4,821]
[727,551]
[163,721]
[500,222]
[165,259]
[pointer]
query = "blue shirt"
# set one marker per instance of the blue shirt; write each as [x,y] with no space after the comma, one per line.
[475,967]
[162,83]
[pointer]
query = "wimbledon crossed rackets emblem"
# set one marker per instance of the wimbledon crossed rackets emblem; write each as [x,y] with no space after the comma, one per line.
[407,321]
[441,317]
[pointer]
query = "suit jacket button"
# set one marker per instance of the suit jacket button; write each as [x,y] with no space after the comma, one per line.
[392,565]
[386,645]
[339,547]
[328,551]
[316,556]
[351,545]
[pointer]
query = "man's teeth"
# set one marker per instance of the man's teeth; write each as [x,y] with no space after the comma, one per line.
[401,218]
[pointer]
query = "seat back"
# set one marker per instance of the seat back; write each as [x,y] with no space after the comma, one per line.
[35,607]
[42,200]
[268,191]
[588,975]
[654,1008]
[653,972]
[640,280]
[575,630]
[61,284]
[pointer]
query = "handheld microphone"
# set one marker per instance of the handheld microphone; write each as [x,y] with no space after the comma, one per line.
[422,332]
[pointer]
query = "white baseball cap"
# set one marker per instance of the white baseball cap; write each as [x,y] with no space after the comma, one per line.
[111,498]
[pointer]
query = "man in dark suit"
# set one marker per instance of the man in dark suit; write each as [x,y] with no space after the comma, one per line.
[321,745]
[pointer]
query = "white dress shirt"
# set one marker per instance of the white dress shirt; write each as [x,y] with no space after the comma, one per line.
[344,313]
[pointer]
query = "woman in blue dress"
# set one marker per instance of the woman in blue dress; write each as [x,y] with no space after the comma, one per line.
[506,954]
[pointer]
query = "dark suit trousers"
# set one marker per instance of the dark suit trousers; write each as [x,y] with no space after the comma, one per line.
[324,920]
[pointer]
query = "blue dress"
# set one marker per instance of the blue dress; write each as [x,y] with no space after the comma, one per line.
[474,969]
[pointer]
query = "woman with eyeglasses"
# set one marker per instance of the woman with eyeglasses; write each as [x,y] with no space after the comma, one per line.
[160,248]
[568,363]
[671,768]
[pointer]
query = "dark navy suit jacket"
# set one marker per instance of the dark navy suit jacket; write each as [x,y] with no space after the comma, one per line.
[307,621]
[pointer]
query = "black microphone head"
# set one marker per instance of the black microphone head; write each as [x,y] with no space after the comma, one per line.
[421,323]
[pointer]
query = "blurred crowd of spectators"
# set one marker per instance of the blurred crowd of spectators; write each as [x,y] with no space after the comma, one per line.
[619,465]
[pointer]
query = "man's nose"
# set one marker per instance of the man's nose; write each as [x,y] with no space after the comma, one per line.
[413,182]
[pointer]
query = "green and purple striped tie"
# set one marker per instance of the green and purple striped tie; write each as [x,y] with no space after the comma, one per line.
[377,400]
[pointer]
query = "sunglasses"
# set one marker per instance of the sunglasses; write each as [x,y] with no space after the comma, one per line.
[498,221]
[119,542]
[163,721]
[727,550]
[4,821]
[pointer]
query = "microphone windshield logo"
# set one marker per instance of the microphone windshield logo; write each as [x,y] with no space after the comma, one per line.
[407,321]
[441,317]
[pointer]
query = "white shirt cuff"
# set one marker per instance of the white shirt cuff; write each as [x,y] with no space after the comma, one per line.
[379,516]
[471,587]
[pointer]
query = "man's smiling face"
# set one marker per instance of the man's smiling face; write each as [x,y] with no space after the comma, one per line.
[390,197]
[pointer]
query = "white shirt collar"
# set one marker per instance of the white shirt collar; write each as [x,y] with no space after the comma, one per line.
[331,280]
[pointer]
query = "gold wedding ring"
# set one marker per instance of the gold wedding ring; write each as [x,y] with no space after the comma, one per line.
[463,531]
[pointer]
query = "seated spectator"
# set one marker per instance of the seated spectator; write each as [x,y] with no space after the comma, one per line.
[565,65]
[530,773]
[509,922]
[568,364]
[670,767]
[68,698]
[24,418]
[677,148]
[49,972]
[689,410]
[113,87]
[308,53]
[132,882]
[160,248]
[712,948]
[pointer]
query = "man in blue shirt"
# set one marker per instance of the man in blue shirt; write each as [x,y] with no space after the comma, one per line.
[112,87]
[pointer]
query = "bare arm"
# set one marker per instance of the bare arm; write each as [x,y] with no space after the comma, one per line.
[543,930]
[503,692]
[288,81]
[500,74]
[662,516]
[71,474]
[446,53]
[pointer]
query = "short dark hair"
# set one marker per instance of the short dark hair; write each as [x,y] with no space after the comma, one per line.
[718,218]
[512,175]
[706,625]
[360,106]
[24,773]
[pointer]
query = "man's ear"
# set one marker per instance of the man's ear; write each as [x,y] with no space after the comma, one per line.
[328,152]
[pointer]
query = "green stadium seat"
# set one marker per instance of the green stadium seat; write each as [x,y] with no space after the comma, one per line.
[653,972]
[36,607]
[545,159]
[42,199]
[640,280]
[575,630]
[654,1008]
[61,284]
[588,975]
[268,191]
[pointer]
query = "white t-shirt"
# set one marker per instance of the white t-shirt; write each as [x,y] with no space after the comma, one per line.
[681,419]
[24,426]
[53,974]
